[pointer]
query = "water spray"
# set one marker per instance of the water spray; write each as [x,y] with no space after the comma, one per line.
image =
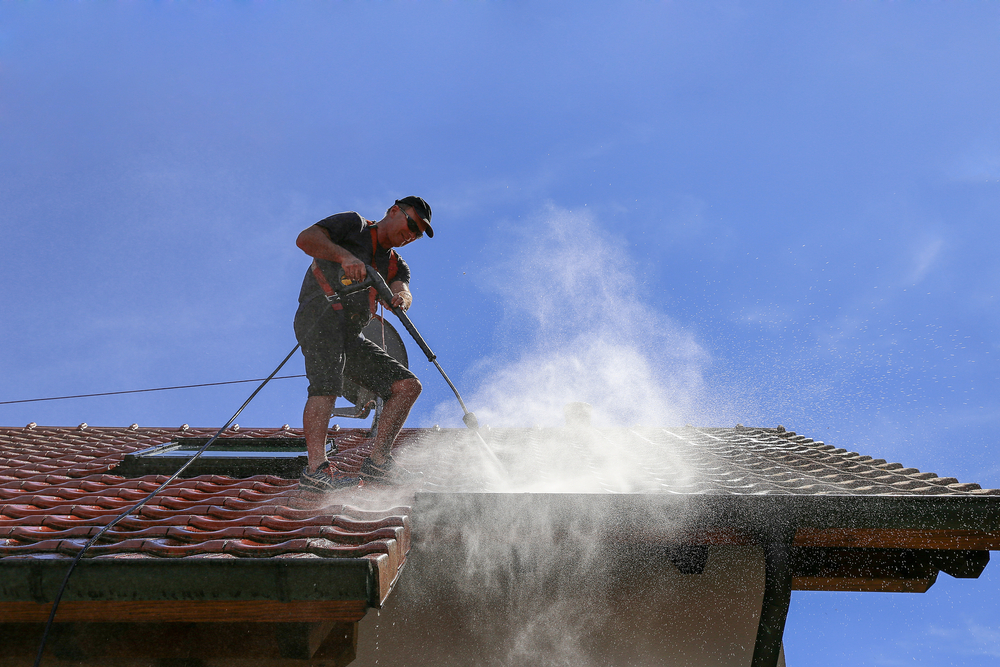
[374,279]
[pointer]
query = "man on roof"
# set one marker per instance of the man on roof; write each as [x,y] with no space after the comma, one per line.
[329,332]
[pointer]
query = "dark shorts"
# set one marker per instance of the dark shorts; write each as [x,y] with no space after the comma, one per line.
[334,349]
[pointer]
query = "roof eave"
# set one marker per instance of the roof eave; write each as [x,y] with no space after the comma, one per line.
[194,590]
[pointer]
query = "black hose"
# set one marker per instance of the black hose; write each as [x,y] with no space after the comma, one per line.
[133,508]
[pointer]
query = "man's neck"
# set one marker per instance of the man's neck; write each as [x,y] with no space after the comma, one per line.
[380,234]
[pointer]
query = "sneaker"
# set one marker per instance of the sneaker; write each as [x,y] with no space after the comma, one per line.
[389,472]
[324,479]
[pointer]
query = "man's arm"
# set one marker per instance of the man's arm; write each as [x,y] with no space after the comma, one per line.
[315,242]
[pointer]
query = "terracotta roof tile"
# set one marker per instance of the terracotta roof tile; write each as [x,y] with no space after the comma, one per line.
[58,488]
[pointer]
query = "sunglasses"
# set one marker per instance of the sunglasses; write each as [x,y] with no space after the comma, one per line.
[411,223]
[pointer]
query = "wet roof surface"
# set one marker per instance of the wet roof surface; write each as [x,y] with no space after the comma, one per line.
[58,487]
[742,461]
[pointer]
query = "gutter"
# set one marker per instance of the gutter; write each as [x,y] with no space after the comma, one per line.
[650,514]
[191,590]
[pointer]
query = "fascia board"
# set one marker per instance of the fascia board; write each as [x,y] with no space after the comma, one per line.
[191,580]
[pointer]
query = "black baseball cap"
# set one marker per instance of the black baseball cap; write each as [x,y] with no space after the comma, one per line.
[421,208]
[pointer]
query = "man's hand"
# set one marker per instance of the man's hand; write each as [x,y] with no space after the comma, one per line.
[315,242]
[401,295]
[354,268]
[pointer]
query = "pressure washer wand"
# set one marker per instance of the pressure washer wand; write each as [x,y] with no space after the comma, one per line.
[378,282]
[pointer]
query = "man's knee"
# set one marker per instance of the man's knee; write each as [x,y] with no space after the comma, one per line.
[408,389]
[316,406]
[322,400]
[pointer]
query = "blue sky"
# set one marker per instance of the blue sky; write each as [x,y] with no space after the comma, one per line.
[782,212]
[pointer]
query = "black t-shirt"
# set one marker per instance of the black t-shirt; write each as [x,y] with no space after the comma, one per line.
[352,233]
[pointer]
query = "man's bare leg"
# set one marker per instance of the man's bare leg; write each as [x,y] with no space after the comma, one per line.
[315,422]
[394,414]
